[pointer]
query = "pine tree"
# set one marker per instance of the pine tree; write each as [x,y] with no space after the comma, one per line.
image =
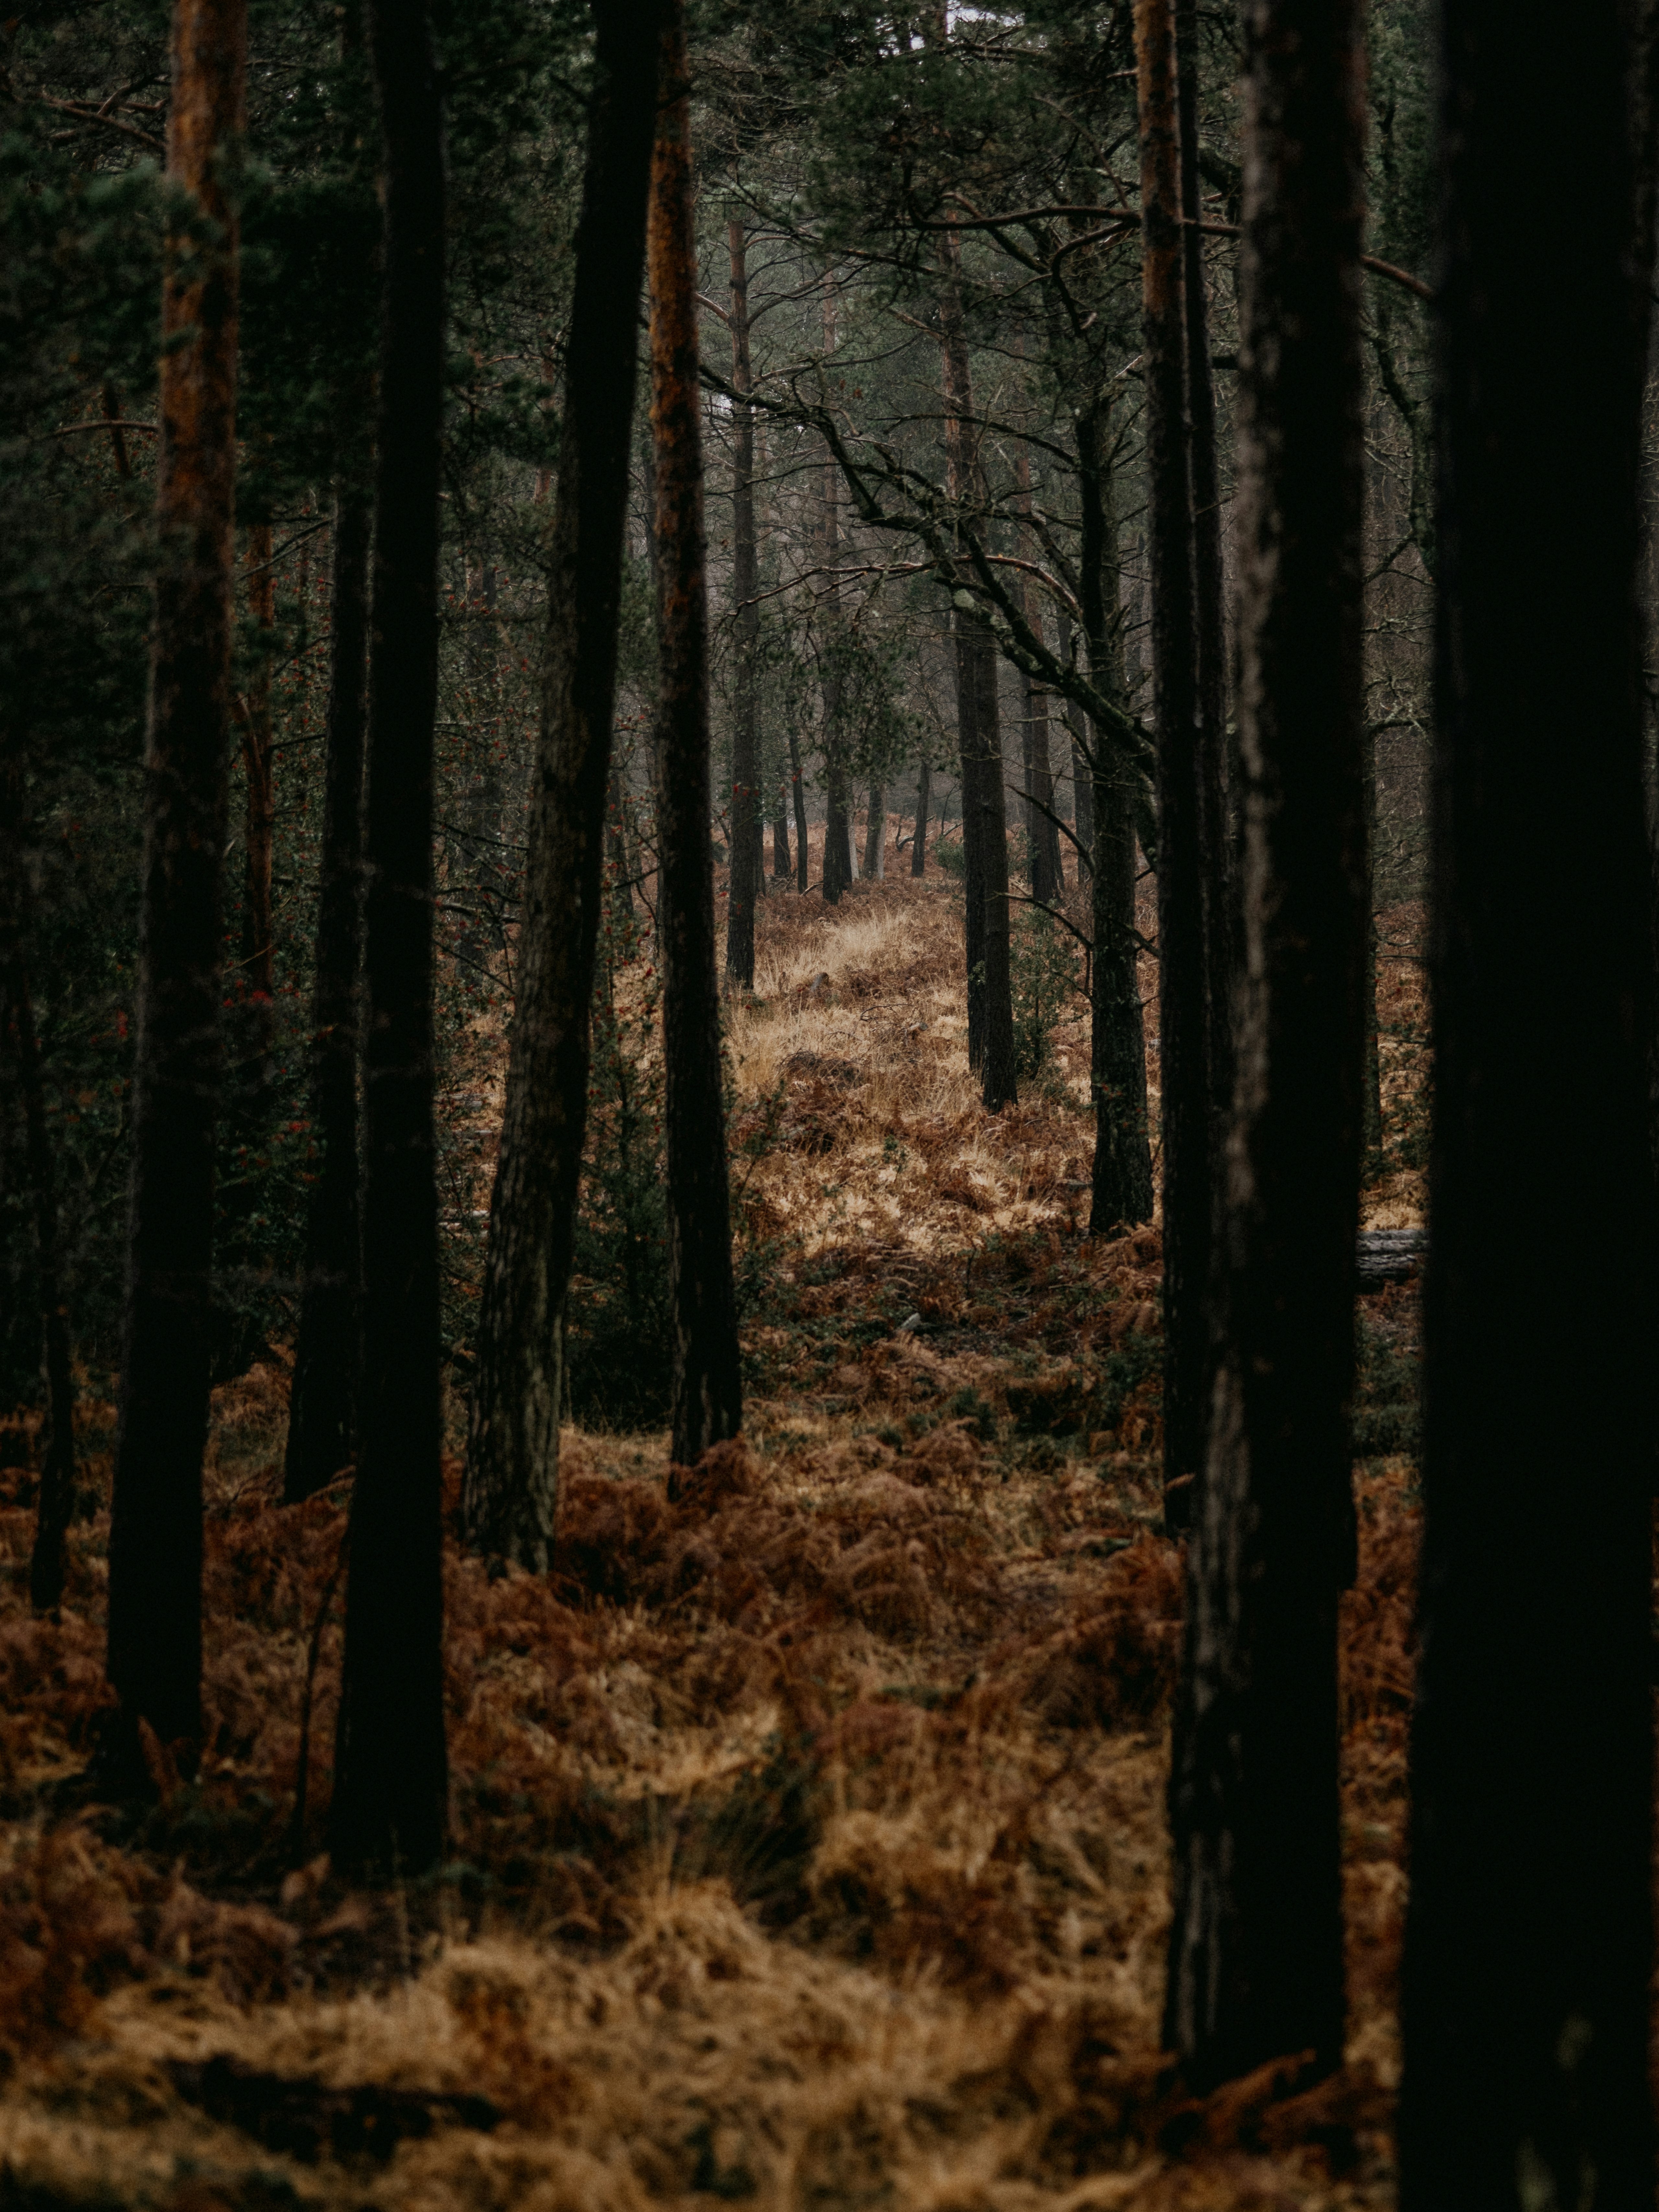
[154,1654]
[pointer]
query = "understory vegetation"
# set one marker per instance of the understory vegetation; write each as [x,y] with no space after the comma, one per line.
[808,1838]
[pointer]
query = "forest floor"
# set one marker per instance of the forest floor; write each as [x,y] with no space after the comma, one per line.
[808,1833]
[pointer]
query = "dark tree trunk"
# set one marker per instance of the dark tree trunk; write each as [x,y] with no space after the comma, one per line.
[511,1489]
[875,836]
[803,849]
[1371,1096]
[746,583]
[1042,838]
[837,830]
[708,1397]
[154,1656]
[391,1782]
[322,1405]
[1255,1957]
[979,725]
[255,1068]
[1209,627]
[1083,796]
[924,800]
[1529,1938]
[1122,1178]
[1183,995]
[56,1504]
[782,867]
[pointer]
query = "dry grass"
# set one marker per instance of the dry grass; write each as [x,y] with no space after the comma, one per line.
[807,1832]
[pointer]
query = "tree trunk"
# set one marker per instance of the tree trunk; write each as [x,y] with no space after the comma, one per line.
[1371,1095]
[510,1493]
[391,1780]
[322,1405]
[1121,1177]
[1217,889]
[1529,1938]
[838,871]
[154,1654]
[1256,1956]
[1183,996]
[875,836]
[803,850]
[924,800]
[56,1502]
[746,584]
[1041,837]
[979,724]
[708,1394]
[782,867]
[1083,795]
[255,1072]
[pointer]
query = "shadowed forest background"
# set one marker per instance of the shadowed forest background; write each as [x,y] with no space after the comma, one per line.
[730,778]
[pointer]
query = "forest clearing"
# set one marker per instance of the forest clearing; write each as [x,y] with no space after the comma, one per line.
[809,1841]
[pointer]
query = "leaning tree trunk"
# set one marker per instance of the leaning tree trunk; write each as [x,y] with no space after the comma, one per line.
[1255,1945]
[1183,996]
[707,1387]
[391,1772]
[1529,1940]
[154,1653]
[511,1488]
[322,1404]
[1121,1189]
[746,857]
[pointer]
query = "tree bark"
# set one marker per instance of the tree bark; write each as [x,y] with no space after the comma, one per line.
[979,725]
[56,1502]
[154,1651]
[707,1387]
[1041,837]
[1083,795]
[1256,1956]
[1183,996]
[803,850]
[745,867]
[1530,1937]
[782,866]
[875,836]
[924,800]
[1217,890]
[837,870]
[391,1770]
[322,1404]
[510,1493]
[255,1073]
[1121,1176]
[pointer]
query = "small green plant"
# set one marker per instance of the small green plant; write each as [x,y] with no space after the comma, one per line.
[948,852]
[1044,972]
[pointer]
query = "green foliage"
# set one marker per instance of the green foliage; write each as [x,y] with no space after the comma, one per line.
[1042,961]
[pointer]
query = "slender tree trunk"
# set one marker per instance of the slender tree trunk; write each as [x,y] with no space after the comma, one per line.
[1083,795]
[255,1073]
[322,1405]
[1122,1178]
[510,1492]
[1255,1947]
[1529,1947]
[56,1502]
[155,1655]
[924,800]
[391,1770]
[707,1398]
[984,813]
[838,871]
[1218,891]
[782,867]
[1183,1007]
[1042,838]
[803,851]
[875,836]
[746,583]
[1371,1095]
